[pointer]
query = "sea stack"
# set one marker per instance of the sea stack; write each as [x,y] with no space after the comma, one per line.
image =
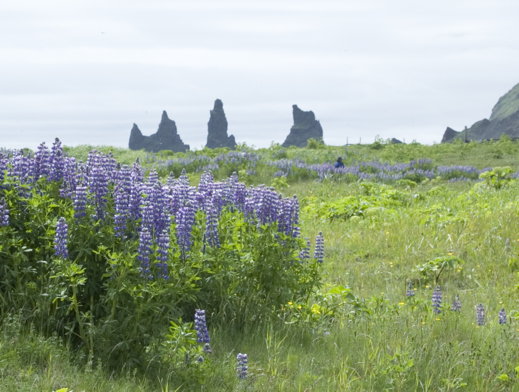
[305,127]
[217,128]
[166,137]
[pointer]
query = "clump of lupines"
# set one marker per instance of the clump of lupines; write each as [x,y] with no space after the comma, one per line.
[456,304]
[319,248]
[242,367]
[437,300]
[502,316]
[480,314]
[139,202]
[201,330]
[4,214]
[60,239]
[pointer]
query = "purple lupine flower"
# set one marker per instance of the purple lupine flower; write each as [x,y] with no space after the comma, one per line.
[56,161]
[163,254]
[98,176]
[410,290]
[288,216]
[41,162]
[60,239]
[146,212]
[185,220]
[480,314]
[122,201]
[502,316]
[161,218]
[4,214]
[4,162]
[304,254]
[71,177]
[145,252]
[242,367]
[456,304]
[21,167]
[201,330]
[437,300]
[134,197]
[319,248]
[211,230]
[80,201]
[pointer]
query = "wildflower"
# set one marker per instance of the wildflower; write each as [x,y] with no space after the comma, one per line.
[456,304]
[242,367]
[410,290]
[185,220]
[60,239]
[145,252]
[41,163]
[480,314]
[437,300]
[319,248]
[80,201]
[4,214]
[212,213]
[201,330]
[304,254]
[162,253]
[502,316]
[56,161]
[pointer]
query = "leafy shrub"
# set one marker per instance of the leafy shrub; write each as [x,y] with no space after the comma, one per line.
[133,253]
[315,144]
[498,177]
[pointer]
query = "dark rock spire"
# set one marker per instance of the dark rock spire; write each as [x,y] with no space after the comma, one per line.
[166,137]
[217,128]
[305,127]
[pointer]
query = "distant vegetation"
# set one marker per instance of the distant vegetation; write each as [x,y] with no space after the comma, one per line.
[131,271]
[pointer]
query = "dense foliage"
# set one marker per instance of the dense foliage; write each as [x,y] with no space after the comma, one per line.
[106,256]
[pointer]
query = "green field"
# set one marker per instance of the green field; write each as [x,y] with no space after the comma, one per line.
[359,329]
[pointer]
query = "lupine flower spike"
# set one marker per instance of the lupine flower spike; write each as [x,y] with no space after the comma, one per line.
[480,314]
[319,248]
[242,367]
[4,214]
[502,316]
[60,239]
[410,290]
[456,304]
[437,300]
[201,330]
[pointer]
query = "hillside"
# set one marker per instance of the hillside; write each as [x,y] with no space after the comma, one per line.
[504,120]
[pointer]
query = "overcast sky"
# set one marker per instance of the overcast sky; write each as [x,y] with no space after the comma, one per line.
[85,71]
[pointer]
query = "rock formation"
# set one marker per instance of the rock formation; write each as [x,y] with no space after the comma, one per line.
[305,127]
[449,135]
[166,137]
[217,128]
[503,120]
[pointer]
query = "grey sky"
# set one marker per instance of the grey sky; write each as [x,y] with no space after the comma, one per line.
[84,71]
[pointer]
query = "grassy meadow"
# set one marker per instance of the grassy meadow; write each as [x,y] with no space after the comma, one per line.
[367,321]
